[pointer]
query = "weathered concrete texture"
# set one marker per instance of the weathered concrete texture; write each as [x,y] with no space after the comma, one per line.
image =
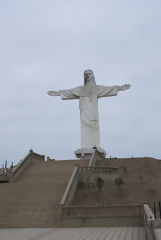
[32,200]
[118,233]
[109,216]
[20,168]
[141,183]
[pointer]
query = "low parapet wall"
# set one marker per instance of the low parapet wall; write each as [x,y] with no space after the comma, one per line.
[96,159]
[30,157]
[103,211]
[102,216]
[71,188]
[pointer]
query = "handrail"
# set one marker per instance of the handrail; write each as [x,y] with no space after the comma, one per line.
[20,163]
[31,156]
[149,215]
[92,162]
[149,220]
[96,156]
[69,185]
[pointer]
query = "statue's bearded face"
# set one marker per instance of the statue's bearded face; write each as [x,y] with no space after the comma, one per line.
[88,77]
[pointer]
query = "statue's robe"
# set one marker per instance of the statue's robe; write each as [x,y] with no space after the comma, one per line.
[88,104]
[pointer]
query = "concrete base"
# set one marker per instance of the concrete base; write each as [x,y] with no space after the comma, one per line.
[81,222]
[86,153]
[73,233]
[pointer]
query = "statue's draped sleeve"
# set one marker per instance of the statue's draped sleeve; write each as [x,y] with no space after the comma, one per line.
[105,91]
[73,93]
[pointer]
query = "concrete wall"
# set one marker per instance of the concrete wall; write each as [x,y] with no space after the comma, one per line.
[86,216]
[103,211]
[141,183]
[29,158]
[101,222]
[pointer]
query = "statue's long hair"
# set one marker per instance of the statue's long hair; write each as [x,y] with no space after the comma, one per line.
[92,78]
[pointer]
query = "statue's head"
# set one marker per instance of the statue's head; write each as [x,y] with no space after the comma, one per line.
[88,77]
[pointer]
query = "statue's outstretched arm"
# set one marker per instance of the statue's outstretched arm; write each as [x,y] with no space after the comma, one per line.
[124,87]
[53,93]
[73,93]
[109,91]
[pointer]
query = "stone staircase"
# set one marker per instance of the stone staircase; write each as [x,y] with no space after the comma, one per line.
[49,194]
[32,199]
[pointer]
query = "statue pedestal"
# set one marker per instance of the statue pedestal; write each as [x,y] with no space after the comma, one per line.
[86,153]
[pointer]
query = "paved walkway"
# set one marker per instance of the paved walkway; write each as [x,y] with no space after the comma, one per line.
[113,233]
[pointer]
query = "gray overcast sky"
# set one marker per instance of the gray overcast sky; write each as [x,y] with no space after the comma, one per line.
[47,44]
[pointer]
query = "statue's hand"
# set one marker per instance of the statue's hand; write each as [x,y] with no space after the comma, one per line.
[53,93]
[124,87]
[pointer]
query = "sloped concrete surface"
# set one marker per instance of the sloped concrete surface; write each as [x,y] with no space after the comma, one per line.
[114,233]
[32,200]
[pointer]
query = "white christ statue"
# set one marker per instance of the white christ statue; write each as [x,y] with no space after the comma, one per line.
[88,104]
